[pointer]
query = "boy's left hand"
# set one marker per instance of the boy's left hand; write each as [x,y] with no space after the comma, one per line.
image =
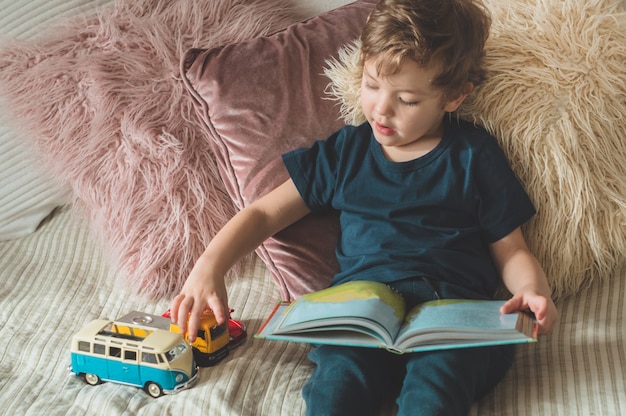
[542,306]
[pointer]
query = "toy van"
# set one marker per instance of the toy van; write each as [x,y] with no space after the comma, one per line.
[157,360]
[212,340]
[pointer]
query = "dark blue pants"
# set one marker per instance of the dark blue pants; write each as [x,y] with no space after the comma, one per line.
[357,381]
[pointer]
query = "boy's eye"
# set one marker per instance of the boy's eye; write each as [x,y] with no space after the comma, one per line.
[409,103]
[370,86]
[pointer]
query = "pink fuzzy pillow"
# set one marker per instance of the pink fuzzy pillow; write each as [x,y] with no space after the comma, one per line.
[261,98]
[102,98]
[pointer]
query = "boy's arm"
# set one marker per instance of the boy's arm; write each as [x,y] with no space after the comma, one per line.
[205,287]
[525,279]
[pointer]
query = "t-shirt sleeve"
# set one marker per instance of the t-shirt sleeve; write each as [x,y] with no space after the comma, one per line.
[314,171]
[503,204]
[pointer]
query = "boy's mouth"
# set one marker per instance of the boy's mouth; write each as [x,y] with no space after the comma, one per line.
[384,130]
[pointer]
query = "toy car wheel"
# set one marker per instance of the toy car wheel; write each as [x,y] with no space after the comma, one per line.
[92,379]
[153,389]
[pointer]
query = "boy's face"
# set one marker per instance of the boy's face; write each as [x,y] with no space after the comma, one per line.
[404,109]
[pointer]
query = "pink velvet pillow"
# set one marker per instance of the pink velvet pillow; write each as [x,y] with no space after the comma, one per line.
[261,98]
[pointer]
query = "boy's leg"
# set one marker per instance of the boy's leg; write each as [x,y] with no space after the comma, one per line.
[448,382]
[347,381]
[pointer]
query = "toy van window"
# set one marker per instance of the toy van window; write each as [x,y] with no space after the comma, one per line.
[217,331]
[115,352]
[201,334]
[150,358]
[176,352]
[130,355]
[99,349]
[84,346]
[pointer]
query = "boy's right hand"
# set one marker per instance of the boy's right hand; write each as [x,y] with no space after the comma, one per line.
[251,226]
[200,292]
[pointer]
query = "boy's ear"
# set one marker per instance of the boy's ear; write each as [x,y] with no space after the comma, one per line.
[451,105]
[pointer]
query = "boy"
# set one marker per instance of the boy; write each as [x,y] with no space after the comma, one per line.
[428,205]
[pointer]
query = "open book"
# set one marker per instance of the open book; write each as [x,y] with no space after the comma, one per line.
[371,314]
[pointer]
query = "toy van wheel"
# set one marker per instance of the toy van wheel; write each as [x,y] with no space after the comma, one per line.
[153,389]
[92,379]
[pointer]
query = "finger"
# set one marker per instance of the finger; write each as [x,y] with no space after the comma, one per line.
[220,310]
[220,316]
[545,327]
[547,322]
[219,306]
[194,323]
[184,309]
[540,308]
[174,307]
[512,305]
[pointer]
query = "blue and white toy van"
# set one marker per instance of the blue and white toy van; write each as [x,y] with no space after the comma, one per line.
[157,360]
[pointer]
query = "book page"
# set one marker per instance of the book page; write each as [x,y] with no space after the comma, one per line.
[349,335]
[454,321]
[370,304]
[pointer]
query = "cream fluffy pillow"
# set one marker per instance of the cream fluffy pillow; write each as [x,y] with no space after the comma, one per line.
[555,99]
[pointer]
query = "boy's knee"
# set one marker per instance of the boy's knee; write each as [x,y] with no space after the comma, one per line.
[345,381]
[448,382]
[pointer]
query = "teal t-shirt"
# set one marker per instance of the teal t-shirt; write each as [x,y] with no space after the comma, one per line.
[433,216]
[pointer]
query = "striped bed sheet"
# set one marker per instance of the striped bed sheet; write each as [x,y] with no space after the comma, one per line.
[56,280]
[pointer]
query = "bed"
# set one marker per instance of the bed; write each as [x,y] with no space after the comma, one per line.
[86,225]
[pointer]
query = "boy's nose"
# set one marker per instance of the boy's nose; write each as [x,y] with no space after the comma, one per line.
[384,107]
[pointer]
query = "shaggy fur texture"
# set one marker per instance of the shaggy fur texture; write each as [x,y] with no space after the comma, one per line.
[102,99]
[555,99]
